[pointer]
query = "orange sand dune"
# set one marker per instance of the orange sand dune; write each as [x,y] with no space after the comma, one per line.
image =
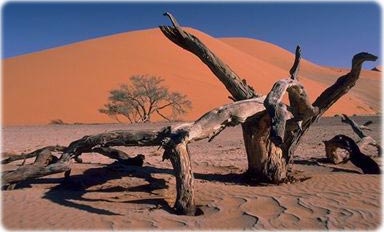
[72,82]
[378,68]
[367,88]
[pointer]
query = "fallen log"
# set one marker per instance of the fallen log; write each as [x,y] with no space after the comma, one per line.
[364,162]
[365,140]
[14,157]
[339,155]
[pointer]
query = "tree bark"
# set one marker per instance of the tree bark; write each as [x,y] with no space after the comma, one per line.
[181,163]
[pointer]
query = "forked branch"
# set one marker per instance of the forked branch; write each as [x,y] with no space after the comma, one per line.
[294,71]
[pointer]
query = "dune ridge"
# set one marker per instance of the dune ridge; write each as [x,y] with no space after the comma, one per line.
[367,89]
[71,82]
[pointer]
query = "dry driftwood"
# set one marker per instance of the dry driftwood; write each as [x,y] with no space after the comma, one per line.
[13,157]
[45,164]
[334,153]
[353,153]
[271,129]
[365,140]
[97,143]
[339,155]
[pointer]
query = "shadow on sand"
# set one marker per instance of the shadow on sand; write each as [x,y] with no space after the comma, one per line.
[324,162]
[73,189]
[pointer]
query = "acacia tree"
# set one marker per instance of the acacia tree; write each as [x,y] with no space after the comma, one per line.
[142,98]
[271,129]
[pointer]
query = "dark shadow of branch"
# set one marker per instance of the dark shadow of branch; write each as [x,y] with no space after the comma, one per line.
[69,191]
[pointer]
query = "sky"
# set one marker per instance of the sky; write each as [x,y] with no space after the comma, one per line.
[329,33]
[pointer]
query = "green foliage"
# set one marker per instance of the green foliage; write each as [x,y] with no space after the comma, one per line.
[142,98]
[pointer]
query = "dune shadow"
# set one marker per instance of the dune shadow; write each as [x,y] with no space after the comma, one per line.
[70,192]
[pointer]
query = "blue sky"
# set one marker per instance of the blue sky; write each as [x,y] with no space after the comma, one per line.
[329,33]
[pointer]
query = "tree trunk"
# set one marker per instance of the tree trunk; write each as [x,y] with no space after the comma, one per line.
[181,162]
[266,161]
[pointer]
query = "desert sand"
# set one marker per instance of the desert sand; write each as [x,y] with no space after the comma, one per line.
[103,195]
[72,82]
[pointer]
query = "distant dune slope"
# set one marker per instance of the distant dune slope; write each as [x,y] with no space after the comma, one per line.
[367,88]
[72,82]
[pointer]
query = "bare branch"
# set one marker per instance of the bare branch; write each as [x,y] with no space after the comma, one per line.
[223,72]
[163,116]
[35,153]
[333,93]
[212,123]
[120,156]
[365,139]
[175,24]
[33,171]
[353,124]
[278,110]
[296,64]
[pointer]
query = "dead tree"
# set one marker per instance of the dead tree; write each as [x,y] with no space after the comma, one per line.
[271,129]
[270,137]
[360,160]
[365,140]
[336,154]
